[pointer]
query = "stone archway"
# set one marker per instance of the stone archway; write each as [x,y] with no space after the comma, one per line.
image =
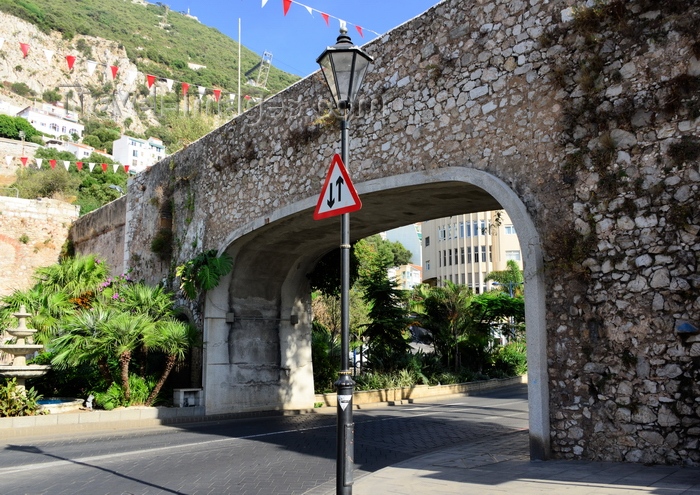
[255,307]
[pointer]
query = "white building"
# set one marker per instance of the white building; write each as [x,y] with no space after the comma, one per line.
[53,120]
[81,151]
[464,249]
[139,154]
[406,276]
[410,237]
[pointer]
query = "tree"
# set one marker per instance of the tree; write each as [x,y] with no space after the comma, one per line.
[445,313]
[173,338]
[509,280]
[386,333]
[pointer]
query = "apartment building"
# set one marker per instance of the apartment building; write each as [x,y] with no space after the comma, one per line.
[139,154]
[53,120]
[464,249]
[406,276]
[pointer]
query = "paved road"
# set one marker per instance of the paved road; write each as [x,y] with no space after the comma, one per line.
[274,455]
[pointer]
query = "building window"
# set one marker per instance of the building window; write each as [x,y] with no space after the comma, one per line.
[462,278]
[450,256]
[476,254]
[475,229]
[513,255]
[461,230]
[483,254]
[444,258]
[135,153]
[134,163]
[63,129]
[468,229]
[427,241]
[427,265]
[491,254]
[469,255]
[461,258]
[482,227]
[509,229]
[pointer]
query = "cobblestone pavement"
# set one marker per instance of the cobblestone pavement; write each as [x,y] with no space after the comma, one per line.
[277,455]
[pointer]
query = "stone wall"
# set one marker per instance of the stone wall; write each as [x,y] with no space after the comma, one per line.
[102,231]
[32,234]
[15,149]
[589,116]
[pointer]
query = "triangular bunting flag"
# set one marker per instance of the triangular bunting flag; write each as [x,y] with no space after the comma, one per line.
[49,54]
[66,164]
[246,97]
[185,88]
[91,66]
[71,60]
[359,30]
[326,18]
[131,76]
[217,94]
[79,165]
[309,10]
[25,49]
[114,70]
[169,84]
[150,80]
[201,90]
[115,167]
[104,167]
[8,160]
[52,163]
[126,169]
[231,96]
[285,5]
[23,159]
[38,162]
[264,2]
[91,166]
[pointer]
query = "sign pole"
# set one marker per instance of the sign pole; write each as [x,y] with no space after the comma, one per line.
[345,384]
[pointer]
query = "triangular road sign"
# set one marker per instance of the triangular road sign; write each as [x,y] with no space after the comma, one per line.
[338,195]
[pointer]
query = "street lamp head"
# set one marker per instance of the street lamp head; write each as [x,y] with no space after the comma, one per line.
[344,66]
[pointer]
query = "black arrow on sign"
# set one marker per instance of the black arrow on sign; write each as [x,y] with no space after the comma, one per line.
[339,183]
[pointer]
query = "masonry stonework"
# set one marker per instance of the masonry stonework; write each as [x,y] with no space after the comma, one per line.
[32,234]
[589,116]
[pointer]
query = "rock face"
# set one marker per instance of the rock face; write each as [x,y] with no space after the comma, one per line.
[41,74]
[590,116]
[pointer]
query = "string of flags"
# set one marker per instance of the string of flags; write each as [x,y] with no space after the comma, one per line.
[287,4]
[112,71]
[66,163]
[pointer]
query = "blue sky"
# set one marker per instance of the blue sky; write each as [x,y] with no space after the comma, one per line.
[297,39]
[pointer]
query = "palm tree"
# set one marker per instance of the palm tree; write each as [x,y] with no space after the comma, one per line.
[48,309]
[173,338]
[76,277]
[154,302]
[122,335]
[510,279]
[81,341]
[446,315]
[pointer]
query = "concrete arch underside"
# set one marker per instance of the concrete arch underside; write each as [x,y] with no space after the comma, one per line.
[258,357]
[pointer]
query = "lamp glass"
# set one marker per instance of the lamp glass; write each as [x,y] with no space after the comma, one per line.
[344,67]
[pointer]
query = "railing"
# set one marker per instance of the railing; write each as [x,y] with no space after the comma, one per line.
[5,190]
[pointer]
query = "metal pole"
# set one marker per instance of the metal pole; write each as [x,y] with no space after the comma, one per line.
[239,67]
[345,384]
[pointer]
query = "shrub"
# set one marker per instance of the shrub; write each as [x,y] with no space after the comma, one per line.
[511,359]
[15,402]
[21,88]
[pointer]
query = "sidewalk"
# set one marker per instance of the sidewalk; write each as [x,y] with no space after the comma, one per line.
[502,466]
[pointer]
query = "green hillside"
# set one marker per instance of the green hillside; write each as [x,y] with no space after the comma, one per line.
[157,40]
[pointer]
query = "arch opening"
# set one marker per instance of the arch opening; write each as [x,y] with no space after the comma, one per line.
[258,320]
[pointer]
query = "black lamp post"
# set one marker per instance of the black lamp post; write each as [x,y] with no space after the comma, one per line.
[344,66]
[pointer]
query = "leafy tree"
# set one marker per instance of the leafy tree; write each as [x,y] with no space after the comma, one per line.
[10,128]
[21,88]
[325,355]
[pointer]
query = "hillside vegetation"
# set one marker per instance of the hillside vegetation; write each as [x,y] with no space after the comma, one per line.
[157,40]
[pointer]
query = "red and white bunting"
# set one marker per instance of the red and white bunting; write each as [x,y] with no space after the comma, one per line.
[66,164]
[23,159]
[91,66]
[25,49]
[115,167]
[49,54]
[70,59]
[104,167]
[185,88]
[131,77]
[169,84]
[91,166]
[38,162]
[217,94]
[150,80]
[52,162]
[114,69]
[79,165]
[286,5]
[8,160]
[126,169]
